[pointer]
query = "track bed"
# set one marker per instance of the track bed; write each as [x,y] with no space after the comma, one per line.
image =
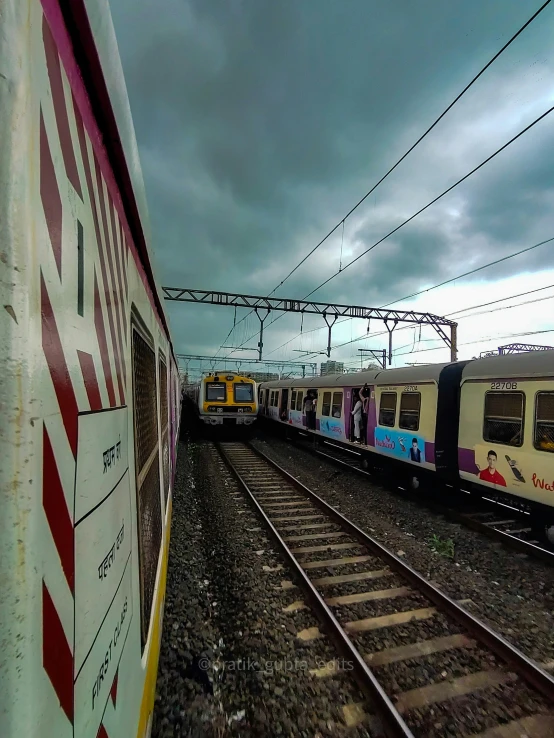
[441,671]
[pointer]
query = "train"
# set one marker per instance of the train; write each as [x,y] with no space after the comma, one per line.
[225,398]
[483,426]
[89,392]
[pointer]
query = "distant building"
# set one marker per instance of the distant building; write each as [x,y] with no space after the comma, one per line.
[262,376]
[332,367]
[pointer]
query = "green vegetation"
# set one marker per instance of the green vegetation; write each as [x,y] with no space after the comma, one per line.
[443,547]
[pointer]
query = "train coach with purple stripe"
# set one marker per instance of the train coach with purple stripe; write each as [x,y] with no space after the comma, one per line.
[484,426]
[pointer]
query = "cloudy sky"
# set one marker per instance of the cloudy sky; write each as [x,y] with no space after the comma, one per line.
[261,123]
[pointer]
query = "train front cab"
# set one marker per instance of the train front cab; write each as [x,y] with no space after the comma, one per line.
[506,437]
[228,399]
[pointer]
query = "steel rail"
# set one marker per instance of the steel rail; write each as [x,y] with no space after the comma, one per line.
[512,542]
[394,725]
[524,667]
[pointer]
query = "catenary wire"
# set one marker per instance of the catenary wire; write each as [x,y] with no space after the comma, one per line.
[425,207]
[407,153]
[471,307]
[428,289]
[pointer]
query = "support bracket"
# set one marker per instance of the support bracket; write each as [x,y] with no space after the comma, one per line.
[329,326]
[262,320]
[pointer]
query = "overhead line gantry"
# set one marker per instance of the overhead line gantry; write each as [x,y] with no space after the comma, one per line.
[330,312]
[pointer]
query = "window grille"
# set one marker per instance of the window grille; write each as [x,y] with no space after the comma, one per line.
[147,462]
[504,412]
[544,421]
[387,409]
[336,410]
[410,405]
[165,427]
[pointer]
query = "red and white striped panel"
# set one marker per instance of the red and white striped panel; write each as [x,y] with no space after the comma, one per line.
[86,355]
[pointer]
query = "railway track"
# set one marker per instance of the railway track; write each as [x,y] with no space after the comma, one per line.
[424,662]
[496,521]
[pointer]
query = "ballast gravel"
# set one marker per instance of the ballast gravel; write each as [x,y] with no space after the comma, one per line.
[230,661]
[512,593]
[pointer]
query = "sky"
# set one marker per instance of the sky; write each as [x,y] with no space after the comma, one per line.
[260,124]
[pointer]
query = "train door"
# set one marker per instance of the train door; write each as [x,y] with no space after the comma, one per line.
[349,422]
[283,409]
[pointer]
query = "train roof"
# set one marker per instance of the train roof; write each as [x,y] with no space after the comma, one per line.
[113,111]
[413,374]
[533,363]
[228,373]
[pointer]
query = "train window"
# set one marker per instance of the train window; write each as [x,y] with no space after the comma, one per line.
[544,421]
[326,405]
[504,412]
[387,409]
[299,400]
[293,400]
[243,393]
[216,392]
[336,410]
[410,404]
[147,465]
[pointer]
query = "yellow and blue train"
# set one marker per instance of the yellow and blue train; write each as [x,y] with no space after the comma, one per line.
[225,399]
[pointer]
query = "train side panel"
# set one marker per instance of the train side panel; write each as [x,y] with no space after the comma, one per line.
[401,422]
[514,419]
[85,501]
[330,412]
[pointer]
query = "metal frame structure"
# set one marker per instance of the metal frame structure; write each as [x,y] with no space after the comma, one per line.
[311,366]
[379,355]
[517,348]
[329,311]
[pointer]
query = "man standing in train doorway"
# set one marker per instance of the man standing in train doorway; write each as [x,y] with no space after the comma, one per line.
[491,474]
[310,410]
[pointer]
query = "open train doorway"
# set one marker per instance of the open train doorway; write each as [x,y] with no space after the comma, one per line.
[283,408]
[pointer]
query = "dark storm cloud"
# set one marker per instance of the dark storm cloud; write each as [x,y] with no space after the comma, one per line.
[260,123]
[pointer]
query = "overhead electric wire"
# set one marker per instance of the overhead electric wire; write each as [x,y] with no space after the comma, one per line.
[467,274]
[487,312]
[440,284]
[432,202]
[436,199]
[419,140]
[484,340]
[448,315]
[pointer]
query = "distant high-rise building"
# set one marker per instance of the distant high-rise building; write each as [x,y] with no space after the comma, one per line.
[332,367]
[262,376]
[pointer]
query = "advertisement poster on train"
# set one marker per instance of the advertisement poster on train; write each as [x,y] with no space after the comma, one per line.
[501,468]
[512,468]
[331,427]
[295,418]
[404,445]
